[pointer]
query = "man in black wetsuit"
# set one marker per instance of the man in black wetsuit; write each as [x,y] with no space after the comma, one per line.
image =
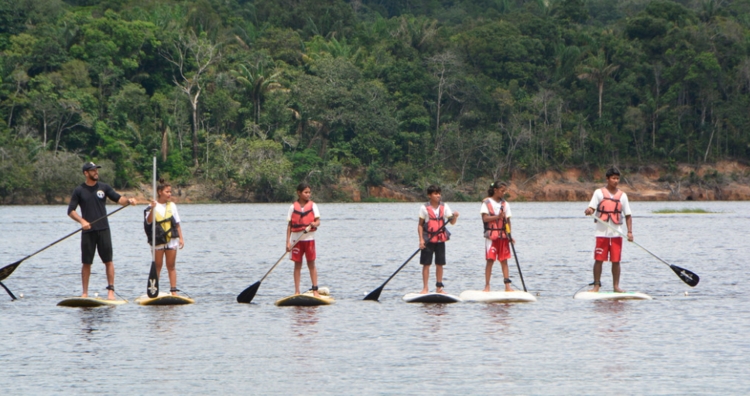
[91,196]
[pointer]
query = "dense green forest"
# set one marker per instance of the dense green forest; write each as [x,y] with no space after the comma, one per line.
[249,97]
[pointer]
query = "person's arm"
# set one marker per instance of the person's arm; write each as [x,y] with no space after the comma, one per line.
[179,232]
[316,222]
[420,231]
[629,223]
[72,206]
[593,204]
[125,201]
[289,236]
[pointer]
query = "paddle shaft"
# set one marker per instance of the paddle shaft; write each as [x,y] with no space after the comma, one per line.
[513,246]
[152,286]
[284,255]
[606,223]
[375,294]
[54,243]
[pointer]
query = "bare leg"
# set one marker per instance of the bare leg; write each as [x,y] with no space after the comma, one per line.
[159,256]
[488,274]
[313,276]
[506,274]
[597,276]
[171,270]
[85,275]
[297,272]
[110,267]
[425,279]
[616,278]
[439,277]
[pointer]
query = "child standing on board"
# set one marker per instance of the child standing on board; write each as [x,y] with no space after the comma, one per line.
[432,236]
[169,220]
[610,204]
[303,219]
[496,214]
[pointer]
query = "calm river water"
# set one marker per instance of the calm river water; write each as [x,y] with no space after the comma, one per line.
[675,344]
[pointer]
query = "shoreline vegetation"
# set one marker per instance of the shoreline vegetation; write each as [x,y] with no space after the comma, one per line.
[374,100]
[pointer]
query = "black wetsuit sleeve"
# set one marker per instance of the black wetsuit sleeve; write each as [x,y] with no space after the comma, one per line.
[73,205]
[112,194]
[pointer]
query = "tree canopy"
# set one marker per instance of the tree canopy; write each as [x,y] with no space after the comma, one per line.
[250,97]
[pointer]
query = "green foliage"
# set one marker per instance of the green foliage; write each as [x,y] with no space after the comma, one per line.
[251,97]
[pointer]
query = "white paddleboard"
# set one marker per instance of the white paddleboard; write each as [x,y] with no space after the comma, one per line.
[431,298]
[88,302]
[497,296]
[164,298]
[587,295]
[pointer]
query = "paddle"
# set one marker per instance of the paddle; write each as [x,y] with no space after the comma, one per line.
[8,269]
[248,294]
[10,293]
[375,294]
[152,288]
[687,276]
[513,246]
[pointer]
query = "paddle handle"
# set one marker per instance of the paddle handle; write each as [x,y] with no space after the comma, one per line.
[285,253]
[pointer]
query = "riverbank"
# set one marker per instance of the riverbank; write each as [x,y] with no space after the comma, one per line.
[722,181]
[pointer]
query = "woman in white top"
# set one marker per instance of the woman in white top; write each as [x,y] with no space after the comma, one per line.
[166,217]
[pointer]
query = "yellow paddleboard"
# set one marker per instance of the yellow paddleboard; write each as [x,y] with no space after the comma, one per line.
[164,299]
[89,302]
[307,299]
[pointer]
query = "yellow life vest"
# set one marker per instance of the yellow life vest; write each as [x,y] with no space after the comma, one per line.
[166,221]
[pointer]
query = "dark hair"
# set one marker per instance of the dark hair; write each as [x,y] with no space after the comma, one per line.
[302,186]
[162,185]
[495,185]
[611,172]
[433,189]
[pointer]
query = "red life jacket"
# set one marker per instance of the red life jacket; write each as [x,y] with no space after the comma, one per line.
[434,224]
[495,229]
[302,217]
[610,207]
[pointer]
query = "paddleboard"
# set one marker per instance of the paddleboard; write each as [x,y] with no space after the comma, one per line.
[306,299]
[164,298]
[497,296]
[431,298]
[88,302]
[587,295]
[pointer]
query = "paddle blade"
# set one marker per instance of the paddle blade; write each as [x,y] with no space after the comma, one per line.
[687,276]
[248,294]
[374,295]
[152,290]
[8,269]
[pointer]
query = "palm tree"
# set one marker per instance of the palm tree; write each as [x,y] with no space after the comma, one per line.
[597,69]
[257,81]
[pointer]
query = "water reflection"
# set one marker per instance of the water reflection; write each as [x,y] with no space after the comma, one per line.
[304,321]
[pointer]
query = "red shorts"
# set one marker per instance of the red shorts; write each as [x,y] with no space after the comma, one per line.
[303,248]
[499,249]
[608,249]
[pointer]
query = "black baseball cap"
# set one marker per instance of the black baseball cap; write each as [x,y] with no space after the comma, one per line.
[90,166]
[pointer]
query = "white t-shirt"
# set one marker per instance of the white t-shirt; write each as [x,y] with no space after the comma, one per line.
[424,215]
[601,229]
[495,208]
[296,235]
[161,210]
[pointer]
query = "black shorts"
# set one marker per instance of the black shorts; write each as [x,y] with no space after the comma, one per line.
[94,241]
[438,248]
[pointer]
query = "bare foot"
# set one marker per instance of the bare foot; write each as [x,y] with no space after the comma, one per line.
[595,289]
[85,295]
[111,295]
[315,293]
[618,290]
[508,288]
[440,290]
[486,289]
[424,291]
